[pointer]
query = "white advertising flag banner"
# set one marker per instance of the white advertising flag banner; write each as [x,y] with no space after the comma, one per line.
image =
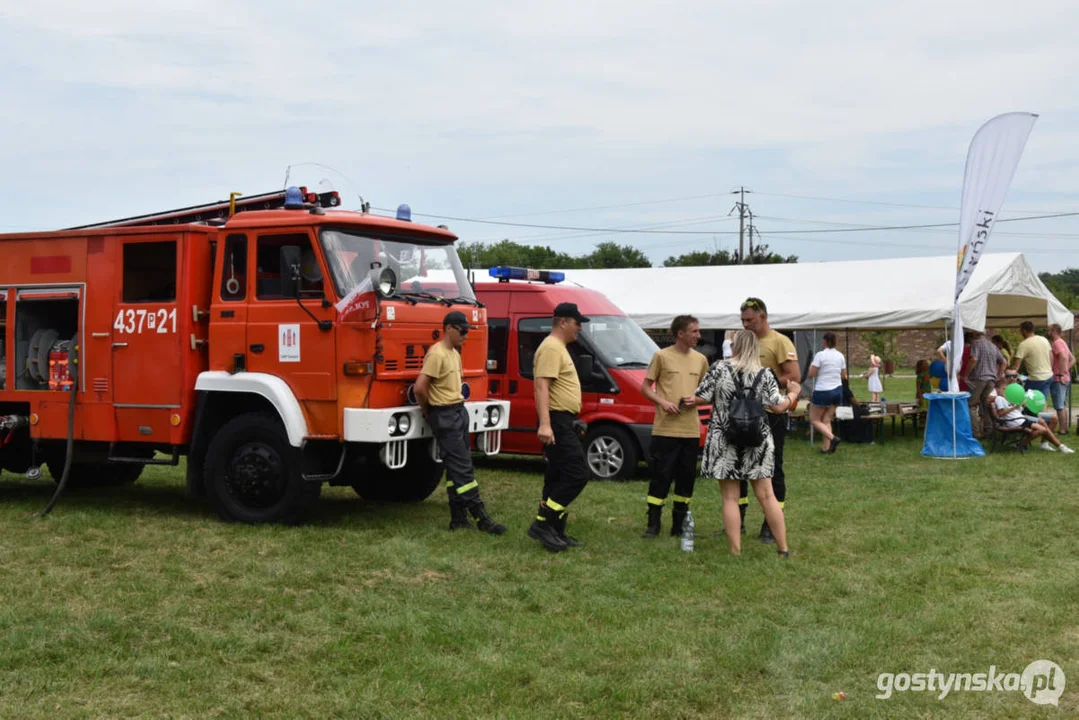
[991,163]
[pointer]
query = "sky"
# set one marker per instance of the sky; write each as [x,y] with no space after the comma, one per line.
[600,115]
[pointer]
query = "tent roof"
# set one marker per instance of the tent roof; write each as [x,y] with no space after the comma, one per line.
[896,293]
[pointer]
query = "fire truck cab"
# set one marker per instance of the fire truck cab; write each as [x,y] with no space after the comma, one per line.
[612,354]
[271,340]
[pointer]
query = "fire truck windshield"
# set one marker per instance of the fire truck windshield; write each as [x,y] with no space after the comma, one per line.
[425,272]
[618,341]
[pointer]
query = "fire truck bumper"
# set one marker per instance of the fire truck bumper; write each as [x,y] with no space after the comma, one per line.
[393,428]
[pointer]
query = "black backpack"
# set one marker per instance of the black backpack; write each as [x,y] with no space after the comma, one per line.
[745,413]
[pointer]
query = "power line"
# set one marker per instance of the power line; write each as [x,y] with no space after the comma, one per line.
[880,202]
[609,230]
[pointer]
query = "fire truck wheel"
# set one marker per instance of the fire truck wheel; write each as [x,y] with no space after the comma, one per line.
[611,453]
[253,475]
[94,475]
[413,483]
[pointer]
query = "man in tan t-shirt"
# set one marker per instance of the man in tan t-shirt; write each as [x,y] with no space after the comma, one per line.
[438,392]
[558,401]
[777,354]
[675,372]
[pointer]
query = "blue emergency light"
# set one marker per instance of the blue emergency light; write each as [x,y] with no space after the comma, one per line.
[293,198]
[505,274]
[404,213]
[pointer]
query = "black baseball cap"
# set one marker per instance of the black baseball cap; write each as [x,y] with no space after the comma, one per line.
[455,317]
[570,310]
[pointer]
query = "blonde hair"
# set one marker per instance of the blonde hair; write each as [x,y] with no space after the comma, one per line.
[746,351]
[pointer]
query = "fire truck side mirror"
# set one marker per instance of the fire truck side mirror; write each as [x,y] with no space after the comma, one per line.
[290,271]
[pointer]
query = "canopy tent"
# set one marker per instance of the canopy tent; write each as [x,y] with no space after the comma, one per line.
[866,294]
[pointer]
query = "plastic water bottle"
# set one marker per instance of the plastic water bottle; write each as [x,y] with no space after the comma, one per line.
[687,532]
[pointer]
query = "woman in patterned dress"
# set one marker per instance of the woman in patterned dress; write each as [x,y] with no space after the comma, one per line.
[730,464]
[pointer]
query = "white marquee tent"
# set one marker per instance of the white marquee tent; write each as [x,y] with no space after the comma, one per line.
[864,294]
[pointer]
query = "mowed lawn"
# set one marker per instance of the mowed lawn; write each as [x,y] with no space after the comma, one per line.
[137,601]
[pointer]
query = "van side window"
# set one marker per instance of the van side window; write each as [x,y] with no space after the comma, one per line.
[234,278]
[530,333]
[149,272]
[498,340]
[268,266]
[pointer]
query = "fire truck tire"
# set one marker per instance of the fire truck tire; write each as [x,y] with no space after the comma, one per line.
[610,452]
[91,475]
[253,475]
[411,484]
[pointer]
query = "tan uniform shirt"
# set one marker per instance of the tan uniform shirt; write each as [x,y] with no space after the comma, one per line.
[677,375]
[776,349]
[443,366]
[552,360]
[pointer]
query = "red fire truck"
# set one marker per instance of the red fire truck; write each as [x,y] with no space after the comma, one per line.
[272,340]
[611,353]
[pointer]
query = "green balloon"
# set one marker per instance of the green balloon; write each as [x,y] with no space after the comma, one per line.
[1015,394]
[1035,401]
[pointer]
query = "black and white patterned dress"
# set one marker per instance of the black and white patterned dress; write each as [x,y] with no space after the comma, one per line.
[723,461]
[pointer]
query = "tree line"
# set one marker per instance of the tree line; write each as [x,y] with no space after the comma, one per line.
[605,255]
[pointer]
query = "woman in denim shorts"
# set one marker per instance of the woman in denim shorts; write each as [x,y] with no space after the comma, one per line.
[830,368]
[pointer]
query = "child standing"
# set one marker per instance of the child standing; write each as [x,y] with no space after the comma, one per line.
[874,377]
[923,382]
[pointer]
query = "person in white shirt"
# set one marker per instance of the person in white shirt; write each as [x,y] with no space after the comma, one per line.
[727,345]
[944,350]
[830,368]
[1012,416]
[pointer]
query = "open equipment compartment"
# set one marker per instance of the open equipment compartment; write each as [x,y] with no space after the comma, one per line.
[46,328]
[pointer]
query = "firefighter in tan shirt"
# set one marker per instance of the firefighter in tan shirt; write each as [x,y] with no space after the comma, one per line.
[675,371]
[438,391]
[558,401]
[779,355]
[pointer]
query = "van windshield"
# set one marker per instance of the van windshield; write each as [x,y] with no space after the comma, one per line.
[618,341]
[425,273]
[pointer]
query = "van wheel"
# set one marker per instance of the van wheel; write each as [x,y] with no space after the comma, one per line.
[411,484]
[611,453]
[253,475]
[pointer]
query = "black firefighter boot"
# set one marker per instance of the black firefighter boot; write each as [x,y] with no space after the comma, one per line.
[459,518]
[560,525]
[655,516]
[484,521]
[543,529]
[766,534]
[678,516]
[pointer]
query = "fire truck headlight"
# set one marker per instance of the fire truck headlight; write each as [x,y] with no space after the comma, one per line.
[494,414]
[404,423]
[392,425]
[384,280]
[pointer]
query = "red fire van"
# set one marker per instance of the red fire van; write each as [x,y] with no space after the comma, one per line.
[612,354]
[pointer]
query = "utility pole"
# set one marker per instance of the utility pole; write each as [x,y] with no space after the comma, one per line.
[752,230]
[742,208]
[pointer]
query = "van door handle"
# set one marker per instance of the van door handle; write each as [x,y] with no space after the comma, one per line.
[116,344]
[258,348]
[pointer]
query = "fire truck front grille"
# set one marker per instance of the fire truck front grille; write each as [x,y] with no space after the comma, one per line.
[391,365]
[413,363]
[101,385]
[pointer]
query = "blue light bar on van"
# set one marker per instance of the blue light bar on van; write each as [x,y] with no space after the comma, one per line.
[505,274]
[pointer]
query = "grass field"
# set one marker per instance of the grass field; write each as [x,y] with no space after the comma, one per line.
[137,601]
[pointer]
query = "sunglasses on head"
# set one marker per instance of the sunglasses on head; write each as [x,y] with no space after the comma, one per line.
[751,304]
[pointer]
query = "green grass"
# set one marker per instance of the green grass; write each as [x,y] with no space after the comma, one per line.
[137,601]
